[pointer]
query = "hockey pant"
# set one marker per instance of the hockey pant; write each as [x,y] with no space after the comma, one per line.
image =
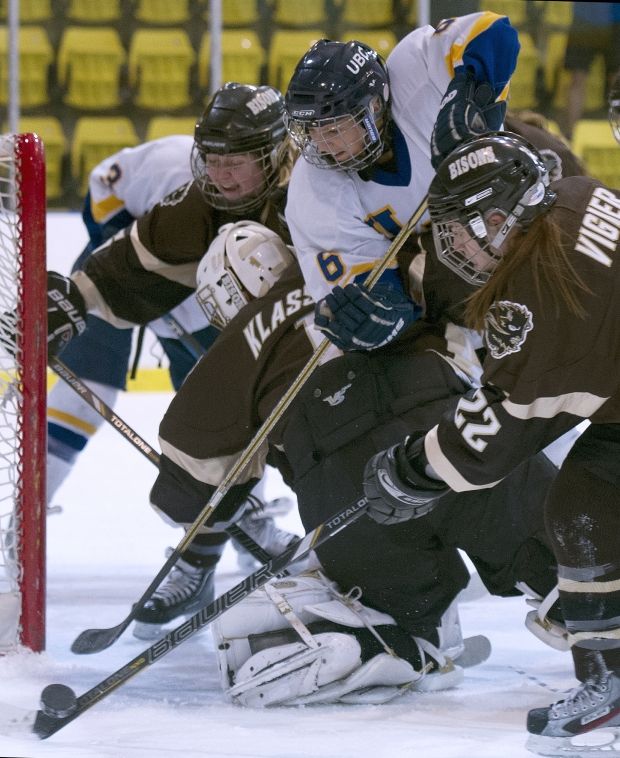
[583,521]
[359,404]
[299,640]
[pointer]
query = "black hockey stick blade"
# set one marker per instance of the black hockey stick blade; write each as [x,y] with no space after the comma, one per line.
[95,640]
[47,724]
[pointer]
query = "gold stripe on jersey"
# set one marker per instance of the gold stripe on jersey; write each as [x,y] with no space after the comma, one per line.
[68,419]
[213,470]
[184,273]
[582,404]
[106,208]
[596,588]
[444,468]
[454,57]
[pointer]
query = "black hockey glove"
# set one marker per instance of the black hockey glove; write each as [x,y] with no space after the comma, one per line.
[355,318]
[396,486]
[66,312]
[467,110]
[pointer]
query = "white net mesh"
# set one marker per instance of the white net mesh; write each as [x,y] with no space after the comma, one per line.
[22,391]
[11,386]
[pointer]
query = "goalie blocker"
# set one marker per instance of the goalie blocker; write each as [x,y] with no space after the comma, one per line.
[300,640]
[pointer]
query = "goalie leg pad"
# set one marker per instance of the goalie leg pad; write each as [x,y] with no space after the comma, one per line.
[282,674]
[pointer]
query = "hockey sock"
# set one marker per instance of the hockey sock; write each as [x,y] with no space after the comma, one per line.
[206,549]
[70,425]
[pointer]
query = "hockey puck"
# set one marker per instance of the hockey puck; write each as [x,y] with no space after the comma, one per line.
[58,701]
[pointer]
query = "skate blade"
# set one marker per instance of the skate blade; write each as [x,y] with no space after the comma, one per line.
[603,742]
[148,632]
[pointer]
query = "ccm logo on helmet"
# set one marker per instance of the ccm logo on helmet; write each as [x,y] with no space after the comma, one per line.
[358,60]
[471,160]
[262,100]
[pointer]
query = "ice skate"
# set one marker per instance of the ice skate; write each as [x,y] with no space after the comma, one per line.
[258,522]
[187,590]
[585,723]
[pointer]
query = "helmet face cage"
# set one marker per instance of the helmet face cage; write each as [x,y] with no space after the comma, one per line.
[243,262]
[614,107]
[247,122]
[358,135]
[482,190]
[337,105]
[262,164]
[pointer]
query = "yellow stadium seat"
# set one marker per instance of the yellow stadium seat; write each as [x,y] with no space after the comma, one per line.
[163,126]
[365,13]
[240,12]
[159,68]
[50,131]
[381,40]
[236,13]
[94,11]
[34,11]
[95,138]
[285,51]
[164,12]
[35,57]
[523,82]
[296,14]
[89,65]
[516,10]
[243,57]
[556,15]
[557,78]
[595,144]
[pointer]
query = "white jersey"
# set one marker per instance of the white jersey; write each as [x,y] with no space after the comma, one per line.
[134,180]
[341,224]
[137,178]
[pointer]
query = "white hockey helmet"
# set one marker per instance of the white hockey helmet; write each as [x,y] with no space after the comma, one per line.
[243,262]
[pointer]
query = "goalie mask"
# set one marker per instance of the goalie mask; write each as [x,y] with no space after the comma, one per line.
[239,143]
[243,262]
[337,105]
[614,107]
[482,190]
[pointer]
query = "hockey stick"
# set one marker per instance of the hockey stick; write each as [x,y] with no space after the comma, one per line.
[59,705]
[95,640]
[104,410]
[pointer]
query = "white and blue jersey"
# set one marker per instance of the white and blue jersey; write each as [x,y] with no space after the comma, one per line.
[342,224]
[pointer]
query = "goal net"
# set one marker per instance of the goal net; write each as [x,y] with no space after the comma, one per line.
[23,359]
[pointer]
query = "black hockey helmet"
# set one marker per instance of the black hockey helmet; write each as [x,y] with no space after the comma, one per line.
[240,118]
[339,85]
[501,174]
[614,107]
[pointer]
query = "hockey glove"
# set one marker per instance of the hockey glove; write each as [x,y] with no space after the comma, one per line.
[66,312]
[396,487]
[355,318]
[467,110]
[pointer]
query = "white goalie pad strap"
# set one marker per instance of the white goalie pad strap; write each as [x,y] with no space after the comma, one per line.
[550,632]
[379,680]
[281,674]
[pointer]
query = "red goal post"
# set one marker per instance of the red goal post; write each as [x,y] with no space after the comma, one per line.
[23,362]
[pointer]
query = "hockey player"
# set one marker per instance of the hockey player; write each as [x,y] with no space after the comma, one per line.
[122,188]
[370,133]
[241,163]
[351,406]
[544,260]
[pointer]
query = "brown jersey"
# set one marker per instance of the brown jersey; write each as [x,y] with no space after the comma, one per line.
[546,369]
[149,268]
[232,389]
